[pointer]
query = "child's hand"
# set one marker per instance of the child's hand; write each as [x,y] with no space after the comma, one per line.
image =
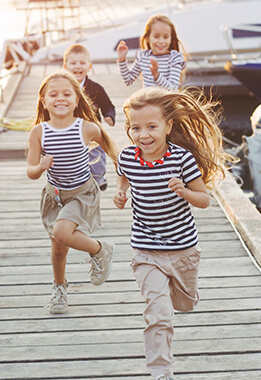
[109,121]
[122,50]
[46,162]
[120,199]
[175,184]
[154,68]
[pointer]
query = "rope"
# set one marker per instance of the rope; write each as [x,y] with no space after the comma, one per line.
[17,125]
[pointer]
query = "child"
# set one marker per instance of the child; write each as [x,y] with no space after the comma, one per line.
[160,61]
[177,154]
[77,61]
[58,144]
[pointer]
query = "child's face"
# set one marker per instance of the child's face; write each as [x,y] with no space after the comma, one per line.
[149,129]
[60,98]
[160,38]
[78,64]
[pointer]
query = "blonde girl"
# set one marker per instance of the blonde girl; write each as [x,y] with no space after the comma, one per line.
[59,142]
[159,60]
[177,154]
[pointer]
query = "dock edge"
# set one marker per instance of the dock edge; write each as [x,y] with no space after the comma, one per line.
[242,213]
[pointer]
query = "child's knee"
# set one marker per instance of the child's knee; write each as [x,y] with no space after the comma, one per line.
[185,303]
[60,236]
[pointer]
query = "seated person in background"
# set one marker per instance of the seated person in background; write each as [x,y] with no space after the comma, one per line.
[77,60]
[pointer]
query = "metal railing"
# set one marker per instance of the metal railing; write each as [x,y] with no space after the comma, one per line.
[253,31]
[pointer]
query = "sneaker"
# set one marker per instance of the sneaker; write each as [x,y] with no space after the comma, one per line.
[101,263]
[58,303]
[163,377]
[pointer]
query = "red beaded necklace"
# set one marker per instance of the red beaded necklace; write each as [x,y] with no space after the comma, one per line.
[150,164]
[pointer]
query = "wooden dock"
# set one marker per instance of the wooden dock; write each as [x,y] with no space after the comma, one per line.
[101,335]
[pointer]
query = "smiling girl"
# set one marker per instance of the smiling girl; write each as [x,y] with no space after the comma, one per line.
[177,154]
[70,204]
[159,60]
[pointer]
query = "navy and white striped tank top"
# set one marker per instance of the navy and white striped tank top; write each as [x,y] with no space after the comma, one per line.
[70,155]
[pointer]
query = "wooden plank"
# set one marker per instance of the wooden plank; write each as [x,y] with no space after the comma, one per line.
[220,247]
[230,288]
[91,349]
[101,335]
[126,275]
[76,321]
[120,308]
[135,366]
[233,266]
[128,293]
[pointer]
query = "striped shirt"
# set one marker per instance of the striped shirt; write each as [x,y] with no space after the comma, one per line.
[161,219]
[170,66]
[70,155]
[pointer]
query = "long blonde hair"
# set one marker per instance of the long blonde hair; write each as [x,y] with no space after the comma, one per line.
[83,110]
[195,126]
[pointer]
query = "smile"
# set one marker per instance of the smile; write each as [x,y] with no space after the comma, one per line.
[147,143]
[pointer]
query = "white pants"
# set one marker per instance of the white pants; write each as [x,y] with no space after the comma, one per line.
[168,281]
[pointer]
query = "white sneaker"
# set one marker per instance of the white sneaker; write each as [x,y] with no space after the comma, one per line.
[58,303]
[101,263]
[163,377]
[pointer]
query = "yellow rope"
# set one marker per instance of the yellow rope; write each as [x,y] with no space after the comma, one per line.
[17,125]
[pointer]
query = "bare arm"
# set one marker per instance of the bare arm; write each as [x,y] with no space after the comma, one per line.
[196,193]
[36,164]
[91,132]
[120,198]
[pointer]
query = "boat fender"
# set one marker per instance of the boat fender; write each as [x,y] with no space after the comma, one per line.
[253,153]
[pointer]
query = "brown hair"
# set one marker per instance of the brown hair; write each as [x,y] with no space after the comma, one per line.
[83,110]
[175,44]
[195,126]
[76,49]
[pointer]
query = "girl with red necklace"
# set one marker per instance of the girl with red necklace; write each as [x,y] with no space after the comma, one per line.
[176,157]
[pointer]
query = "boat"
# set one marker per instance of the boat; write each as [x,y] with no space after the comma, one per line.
[246,69]
[217,20]
[248,73]
[207,41]
[220,21]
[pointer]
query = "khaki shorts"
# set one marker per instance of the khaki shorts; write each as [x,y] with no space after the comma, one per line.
[81,206]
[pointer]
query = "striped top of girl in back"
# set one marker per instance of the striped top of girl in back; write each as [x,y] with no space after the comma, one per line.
[170,67]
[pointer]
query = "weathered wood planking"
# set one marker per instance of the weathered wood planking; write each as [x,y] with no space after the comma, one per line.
[101,336]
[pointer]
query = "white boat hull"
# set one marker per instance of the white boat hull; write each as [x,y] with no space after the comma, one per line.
[199,27]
